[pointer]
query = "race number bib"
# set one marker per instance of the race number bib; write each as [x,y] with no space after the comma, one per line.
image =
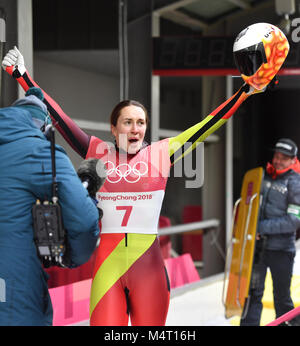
[130,212]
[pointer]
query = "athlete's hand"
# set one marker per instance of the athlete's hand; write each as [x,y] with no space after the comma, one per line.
[249,90]
[13,61]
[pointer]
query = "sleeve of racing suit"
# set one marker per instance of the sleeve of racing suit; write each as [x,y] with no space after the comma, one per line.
[71,132]
[197,133]
[290,222]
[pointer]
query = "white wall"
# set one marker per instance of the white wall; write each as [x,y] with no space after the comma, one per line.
[82,94]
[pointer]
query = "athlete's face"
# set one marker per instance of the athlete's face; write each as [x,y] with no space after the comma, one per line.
[130,129]
[281,161]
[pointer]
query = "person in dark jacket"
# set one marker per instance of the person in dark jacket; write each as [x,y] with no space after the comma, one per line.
[279,219]
[25,176]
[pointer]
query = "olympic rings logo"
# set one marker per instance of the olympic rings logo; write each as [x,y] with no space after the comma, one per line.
[124,170]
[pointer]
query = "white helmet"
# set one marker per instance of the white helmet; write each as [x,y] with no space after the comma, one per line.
[259,51]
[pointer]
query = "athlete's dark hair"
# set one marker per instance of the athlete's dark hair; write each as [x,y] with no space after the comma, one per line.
[117,110]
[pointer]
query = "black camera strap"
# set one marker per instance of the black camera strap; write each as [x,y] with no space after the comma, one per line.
[54,181]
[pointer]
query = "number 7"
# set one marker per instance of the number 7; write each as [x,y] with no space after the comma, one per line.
[128,210]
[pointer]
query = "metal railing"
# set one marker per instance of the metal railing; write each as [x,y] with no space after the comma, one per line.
[209,225]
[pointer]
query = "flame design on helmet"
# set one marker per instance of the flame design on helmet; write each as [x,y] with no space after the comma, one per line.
[276,48]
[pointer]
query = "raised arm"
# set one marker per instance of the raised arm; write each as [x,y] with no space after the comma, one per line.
[197,133]
[13,63]
[259,52]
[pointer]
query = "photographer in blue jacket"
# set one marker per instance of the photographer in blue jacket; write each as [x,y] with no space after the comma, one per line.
[25,176]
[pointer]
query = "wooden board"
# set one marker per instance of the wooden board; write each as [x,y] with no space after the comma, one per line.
[240,251]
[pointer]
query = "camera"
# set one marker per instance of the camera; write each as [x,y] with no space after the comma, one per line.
[49,234]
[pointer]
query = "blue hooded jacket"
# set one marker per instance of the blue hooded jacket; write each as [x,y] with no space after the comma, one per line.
[25,176]
[276,221]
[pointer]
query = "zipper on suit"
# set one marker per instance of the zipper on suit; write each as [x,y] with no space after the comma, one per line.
[126,239]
